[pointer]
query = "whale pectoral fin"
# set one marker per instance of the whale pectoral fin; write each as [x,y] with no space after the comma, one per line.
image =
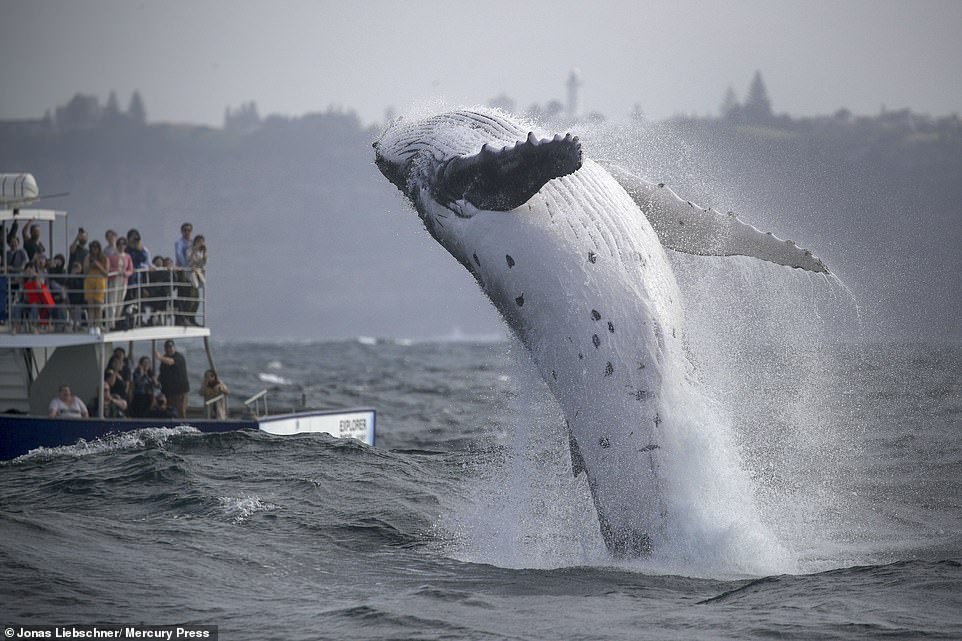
[503,179]
[685,227]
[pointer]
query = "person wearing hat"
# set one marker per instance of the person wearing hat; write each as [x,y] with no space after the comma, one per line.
[173,378]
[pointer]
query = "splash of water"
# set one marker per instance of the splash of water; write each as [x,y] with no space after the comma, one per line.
[523,508]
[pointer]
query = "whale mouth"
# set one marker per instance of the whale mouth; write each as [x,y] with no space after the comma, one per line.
[397,173]
[502,179]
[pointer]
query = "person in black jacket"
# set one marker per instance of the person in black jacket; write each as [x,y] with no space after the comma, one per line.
[173,377]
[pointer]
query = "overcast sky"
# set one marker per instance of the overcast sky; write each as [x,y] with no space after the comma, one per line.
[191,59]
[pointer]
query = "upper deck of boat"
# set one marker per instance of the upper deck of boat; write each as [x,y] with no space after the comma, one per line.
[50,310]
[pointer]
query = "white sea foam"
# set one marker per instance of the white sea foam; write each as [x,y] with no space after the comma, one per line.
[273,379]
[110,443]
[240,508]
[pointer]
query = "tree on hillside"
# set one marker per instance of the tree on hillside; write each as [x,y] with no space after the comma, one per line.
[757,107]
[113,106]
[81,112]
[136,110]
[243,120]
[730,108]
[112,115]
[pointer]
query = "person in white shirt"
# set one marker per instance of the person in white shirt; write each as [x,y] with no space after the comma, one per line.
[66,405]
[182,245]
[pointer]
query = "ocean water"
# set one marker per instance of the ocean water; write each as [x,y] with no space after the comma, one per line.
[817,493]
[466,523]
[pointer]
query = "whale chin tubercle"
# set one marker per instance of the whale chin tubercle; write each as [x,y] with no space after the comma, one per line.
[501,179]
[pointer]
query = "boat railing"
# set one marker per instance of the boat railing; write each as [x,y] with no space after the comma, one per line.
[80,303]
[210,405]
[256,402]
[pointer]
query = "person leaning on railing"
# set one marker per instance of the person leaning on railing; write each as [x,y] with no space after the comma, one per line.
[213,388]
[120,268]
[75,295]
[136,284]
[159,292]
[38,298]
[139,254]
[197,260]
[95,283]
[56,275]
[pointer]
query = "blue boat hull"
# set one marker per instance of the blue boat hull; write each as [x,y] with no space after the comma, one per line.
[19,434]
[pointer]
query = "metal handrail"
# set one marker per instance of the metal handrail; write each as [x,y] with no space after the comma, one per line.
[253,403]
[209,403]
[151,297]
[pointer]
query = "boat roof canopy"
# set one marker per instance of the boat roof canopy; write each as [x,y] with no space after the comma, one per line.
[27,215]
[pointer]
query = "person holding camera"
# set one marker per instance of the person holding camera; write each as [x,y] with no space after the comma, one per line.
[145,386]
[31,240]
[78,250]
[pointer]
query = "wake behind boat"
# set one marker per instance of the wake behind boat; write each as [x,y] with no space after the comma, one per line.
[48,342]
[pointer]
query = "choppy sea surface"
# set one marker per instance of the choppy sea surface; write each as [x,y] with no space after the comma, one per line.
[465,522]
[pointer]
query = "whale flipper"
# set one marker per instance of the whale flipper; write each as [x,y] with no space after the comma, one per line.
[501,179]
[683,226]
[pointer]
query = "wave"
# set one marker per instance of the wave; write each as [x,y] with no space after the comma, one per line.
[135,439]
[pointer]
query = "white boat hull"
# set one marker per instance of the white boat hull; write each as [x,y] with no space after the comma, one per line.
[357,424]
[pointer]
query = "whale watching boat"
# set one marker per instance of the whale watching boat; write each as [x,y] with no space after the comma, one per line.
[51,338]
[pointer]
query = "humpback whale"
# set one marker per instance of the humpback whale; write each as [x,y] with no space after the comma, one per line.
[573,256]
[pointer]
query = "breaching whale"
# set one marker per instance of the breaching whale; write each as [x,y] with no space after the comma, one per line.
[572,254]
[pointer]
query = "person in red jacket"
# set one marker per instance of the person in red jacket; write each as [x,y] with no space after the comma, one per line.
[37,295]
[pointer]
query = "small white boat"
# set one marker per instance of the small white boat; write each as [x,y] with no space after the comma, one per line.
[44,346]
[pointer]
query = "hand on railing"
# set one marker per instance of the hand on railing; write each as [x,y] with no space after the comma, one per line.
[78,302]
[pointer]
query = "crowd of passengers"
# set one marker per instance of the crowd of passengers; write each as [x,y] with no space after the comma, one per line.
[111,286]
[138,393]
